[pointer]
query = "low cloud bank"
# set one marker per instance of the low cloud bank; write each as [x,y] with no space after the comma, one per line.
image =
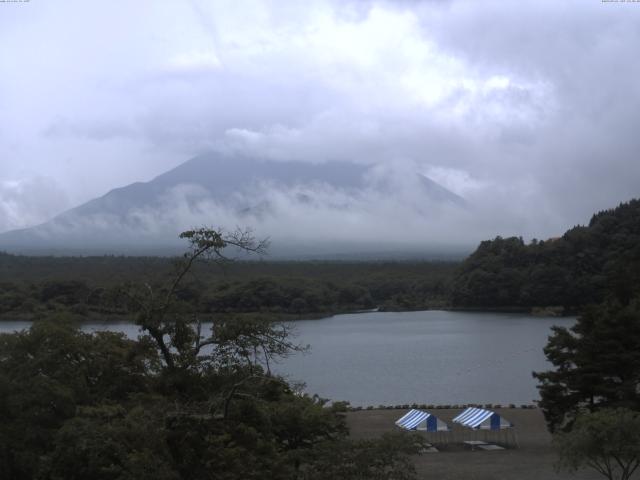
[28,202]
[393,212]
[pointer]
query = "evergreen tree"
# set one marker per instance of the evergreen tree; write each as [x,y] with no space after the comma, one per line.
[597,364]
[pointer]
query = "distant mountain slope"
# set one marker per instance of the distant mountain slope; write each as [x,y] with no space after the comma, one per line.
[583,266]
[224,177]
[229,191]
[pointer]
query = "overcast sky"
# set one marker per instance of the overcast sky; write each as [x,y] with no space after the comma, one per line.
[530,107]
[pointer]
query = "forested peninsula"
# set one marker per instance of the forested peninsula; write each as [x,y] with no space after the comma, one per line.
[557,275]
[581,267]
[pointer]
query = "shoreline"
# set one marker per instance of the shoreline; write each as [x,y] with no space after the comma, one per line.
[450,406]
[115,318]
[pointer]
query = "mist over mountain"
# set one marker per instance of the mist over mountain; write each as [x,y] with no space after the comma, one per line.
[332,209]
[467,93]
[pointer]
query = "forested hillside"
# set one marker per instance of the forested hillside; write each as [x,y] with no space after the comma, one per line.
[582,267]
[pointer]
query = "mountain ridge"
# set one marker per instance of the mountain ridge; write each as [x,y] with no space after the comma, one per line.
[242,188]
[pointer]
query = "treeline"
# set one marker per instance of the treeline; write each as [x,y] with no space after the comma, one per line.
[582,267]
[93,286]
[585,265]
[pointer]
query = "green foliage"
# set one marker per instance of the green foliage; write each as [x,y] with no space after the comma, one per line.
[50,371]
[582,267]
[596,364]
[177,403]
[607,441]
[109,442]
[302,422]
[99,406]
[385,459]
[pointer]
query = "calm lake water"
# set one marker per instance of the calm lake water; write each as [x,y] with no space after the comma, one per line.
[432,357]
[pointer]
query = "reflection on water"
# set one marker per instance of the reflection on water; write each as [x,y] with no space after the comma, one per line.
[432,357]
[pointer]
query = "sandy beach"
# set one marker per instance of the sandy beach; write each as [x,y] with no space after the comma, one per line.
[534,457]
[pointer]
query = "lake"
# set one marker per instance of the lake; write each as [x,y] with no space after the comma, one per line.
[431,357]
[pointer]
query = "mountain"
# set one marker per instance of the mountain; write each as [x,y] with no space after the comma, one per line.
[270,196]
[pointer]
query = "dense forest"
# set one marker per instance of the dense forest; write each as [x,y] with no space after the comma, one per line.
[582,267]
[590,397]
[92,286]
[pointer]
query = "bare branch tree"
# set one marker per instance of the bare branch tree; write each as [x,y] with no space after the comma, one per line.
[179,336]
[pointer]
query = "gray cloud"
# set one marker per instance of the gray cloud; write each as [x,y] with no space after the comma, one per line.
[29,202]
[529,109]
